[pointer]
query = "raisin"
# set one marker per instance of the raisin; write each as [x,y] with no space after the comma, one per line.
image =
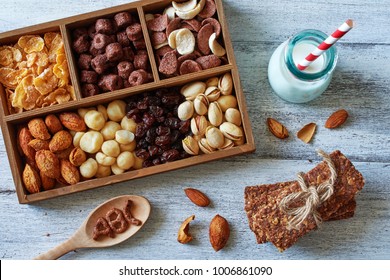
[171,155]
[162,140]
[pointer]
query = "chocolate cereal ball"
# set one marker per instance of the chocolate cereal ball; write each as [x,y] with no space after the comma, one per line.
[124,69]
[78,32]
[90,77]
[114,52]
[122,39]
[89,90]
[105,26]
[100,63]
[134,31]
[123,19]
[92,31]
[141,61]
[110,82]
[100,41]
[84,61]
[81,44]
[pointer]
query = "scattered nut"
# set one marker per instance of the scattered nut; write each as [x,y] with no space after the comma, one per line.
[277,128]
[183,236]
[336,119]
[219,232]
[197,197]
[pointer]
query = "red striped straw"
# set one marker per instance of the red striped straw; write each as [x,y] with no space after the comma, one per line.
[340,32]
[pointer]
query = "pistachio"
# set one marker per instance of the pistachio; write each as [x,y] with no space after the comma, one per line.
[233,116]
[214,137]
[215,114]
[240,141]
[212,93]
[201,104]
[227,144]
[185,110]
[231,131]
[191,90]
[212,82]
[190,145]
[225,84]
[227,101]
[205,147]
[199,125]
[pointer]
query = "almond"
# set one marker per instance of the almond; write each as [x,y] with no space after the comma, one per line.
[336,119]
[219,232]
[47,183]
[38,129]
[38,144]
[53,124]
[183,236]
[31,179]
[69,172]
[48,163]
[24,138]
[60,141]
[77,156]
[277,129]
[197,197]
[73,121]
[306,133]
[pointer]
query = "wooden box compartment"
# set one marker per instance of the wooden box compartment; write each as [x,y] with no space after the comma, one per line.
[11,122]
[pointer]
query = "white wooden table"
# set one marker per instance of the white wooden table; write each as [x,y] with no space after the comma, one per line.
[361,85]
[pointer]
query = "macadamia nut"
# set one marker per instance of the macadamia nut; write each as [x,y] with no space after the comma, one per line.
[103,110]
[124,136]
[128,124]
[116,110]
[91,142]
[83,111]
[89,168]
[125,160]
[94,120]
[104,159]
[137,162]
[128,147]
[111,148]
[76,139]
[116,170]
[109,130]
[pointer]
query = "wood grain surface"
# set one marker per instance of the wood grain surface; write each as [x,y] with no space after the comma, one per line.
[361,85]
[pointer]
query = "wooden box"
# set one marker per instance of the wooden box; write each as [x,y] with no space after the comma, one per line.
[10,122]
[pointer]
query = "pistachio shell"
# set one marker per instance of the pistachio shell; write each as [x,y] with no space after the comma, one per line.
[201,104]
[233,116]
[185,110]
[212,82]
[225,84]
[191,90]
[214,137]
[212,93]
[190,145]
[199,125]
[227,101]
[231,131]
[227,144]
[215,114]
[204,146]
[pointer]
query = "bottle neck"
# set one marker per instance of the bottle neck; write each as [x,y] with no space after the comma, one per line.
[324,65]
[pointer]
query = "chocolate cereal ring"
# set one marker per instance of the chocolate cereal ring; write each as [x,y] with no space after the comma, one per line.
[215,23]
[203,38]
[168,64]
[116,220]
[189,66]
[159,23]
[138,77]
[209,61]
[208,10]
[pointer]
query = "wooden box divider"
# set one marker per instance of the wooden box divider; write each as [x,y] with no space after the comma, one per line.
[11,122]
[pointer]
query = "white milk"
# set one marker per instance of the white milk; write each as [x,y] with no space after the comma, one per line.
[293,85]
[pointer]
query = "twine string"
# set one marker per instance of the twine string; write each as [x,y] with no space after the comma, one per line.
[313,196]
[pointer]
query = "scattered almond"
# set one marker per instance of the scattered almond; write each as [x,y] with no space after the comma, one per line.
[306,133]
[183,236]
[277,129]
[219,232]
[31,179]
[336,119]
[38,129]
[197,197]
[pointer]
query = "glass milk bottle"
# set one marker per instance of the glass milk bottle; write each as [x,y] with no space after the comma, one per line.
[292,84]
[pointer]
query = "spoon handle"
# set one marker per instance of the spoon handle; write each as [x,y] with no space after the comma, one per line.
[58,251]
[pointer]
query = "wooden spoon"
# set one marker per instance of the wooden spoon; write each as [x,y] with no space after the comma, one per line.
[82,238]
